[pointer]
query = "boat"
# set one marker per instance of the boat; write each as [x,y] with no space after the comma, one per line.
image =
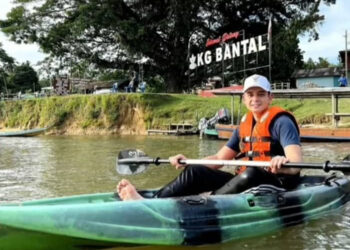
[305,138]
[207,127]
[102,220]
[225,131]
[211,133]
[23,133]
[308,134]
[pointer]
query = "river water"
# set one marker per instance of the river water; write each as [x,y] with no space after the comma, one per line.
[53,166]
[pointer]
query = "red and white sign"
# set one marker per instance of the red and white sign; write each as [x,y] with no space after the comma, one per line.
[225,37]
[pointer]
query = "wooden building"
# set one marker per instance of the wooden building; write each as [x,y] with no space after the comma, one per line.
[317,78]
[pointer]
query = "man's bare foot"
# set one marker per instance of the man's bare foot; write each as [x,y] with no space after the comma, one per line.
[127,191]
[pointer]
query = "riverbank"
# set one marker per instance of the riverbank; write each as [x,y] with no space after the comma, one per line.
[135,113]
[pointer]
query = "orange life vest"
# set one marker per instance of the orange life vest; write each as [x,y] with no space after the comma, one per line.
[255,137]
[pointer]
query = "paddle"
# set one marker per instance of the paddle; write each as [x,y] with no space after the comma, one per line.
[134,161]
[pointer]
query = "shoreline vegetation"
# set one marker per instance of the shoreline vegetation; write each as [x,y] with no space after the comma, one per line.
[134,114]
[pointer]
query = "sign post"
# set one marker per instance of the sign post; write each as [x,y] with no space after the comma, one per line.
[346,55]
[269,39]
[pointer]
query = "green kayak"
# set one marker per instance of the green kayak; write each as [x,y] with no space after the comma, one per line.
[102,220]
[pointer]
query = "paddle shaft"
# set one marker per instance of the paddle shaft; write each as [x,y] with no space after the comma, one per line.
[326,166]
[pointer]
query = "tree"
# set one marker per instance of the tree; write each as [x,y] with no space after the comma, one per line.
[309,64]
[6,66]
[116,34]
[6,61]
[24,78]
[321,63]
[286,56]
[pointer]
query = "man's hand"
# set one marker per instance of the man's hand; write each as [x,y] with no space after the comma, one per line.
[277,162]
[174,160]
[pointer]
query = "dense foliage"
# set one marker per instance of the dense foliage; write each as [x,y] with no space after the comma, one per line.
[14,77]
[25,78]
[321,63]
[119,33]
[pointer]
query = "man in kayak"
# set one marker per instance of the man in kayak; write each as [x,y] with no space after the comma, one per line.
[265,134]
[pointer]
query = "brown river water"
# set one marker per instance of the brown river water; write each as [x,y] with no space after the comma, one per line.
[54,166]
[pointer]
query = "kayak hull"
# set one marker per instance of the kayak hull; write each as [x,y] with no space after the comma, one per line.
[102,220]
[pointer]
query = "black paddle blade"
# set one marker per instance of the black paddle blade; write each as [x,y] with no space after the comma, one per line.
[133,167]
[347,161]
[346,158]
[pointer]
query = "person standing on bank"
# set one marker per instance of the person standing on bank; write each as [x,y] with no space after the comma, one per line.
[142,87]
[265,134]
[343,82]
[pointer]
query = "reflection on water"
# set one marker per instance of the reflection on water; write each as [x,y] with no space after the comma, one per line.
[40,167]
[24,162]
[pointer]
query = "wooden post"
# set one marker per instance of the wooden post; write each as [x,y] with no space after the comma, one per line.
[346,54]
[334,110]
[337,118]
[232,109]
[239,110]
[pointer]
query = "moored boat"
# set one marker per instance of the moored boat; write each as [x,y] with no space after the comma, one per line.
[225,131]
[211,133]
[102,220]
[207,126]
[23,133]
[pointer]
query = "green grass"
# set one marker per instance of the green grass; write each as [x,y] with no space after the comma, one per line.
[159,110]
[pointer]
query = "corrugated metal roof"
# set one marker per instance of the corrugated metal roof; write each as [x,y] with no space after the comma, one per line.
[321,72]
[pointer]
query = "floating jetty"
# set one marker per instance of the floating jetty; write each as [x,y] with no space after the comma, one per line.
[175,129]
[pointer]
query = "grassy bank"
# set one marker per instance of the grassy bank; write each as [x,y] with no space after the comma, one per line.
[135,113]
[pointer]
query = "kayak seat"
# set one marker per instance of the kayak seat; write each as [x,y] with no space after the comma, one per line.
[311,180]
[306,181]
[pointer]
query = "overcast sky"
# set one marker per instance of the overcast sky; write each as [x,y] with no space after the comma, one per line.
[331,32]
[21,52]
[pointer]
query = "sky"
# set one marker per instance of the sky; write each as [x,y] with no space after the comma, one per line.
[21,52]
[331,33]
[331,36]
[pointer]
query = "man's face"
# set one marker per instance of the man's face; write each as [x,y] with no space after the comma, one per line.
[257,100]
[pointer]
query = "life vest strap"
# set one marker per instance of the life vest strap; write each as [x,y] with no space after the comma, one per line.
[252,154]
[248,139]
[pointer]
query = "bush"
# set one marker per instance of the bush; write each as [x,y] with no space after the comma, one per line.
[155,84]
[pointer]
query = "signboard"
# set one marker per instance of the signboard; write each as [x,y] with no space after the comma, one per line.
[228,55]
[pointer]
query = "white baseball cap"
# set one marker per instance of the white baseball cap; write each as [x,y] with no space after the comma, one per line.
[257,81]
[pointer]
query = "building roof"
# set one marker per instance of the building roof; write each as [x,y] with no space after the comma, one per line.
[321,72]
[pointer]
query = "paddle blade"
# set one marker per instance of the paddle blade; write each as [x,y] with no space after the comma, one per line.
[347,161]
[346,158]
[132,167]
